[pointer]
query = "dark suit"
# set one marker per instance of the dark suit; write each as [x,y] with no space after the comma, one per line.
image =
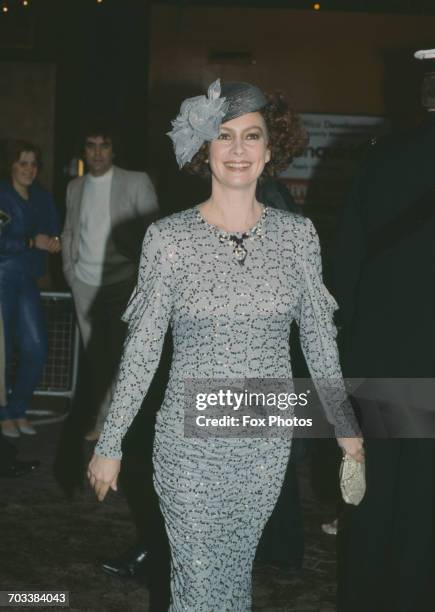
[386,293]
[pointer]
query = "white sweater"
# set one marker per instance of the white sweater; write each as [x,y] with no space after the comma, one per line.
[94,228]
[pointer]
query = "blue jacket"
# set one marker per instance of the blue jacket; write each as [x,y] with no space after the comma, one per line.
[37,215]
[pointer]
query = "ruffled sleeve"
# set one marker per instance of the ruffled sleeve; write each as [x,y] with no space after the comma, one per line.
[317,336]
[148,314]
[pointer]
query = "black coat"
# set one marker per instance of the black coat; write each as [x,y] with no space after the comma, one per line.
[272,192]
[384,273]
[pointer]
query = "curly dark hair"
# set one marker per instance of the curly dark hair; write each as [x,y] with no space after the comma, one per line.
[287,138]
[101,126]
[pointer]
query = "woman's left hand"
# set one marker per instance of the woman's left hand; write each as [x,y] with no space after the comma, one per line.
[353,447]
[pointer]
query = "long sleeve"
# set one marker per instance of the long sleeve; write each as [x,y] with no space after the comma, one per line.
[11,244]
[146,198]
[148,314]
[48,218]
[14,237]
[47,222]
[67,236]
[128,236]
[54,217]
[318,339]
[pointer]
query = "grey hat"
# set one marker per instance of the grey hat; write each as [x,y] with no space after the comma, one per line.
[242,98]
[200,118]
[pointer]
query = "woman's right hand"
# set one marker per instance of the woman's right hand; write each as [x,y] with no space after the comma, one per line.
[103,475]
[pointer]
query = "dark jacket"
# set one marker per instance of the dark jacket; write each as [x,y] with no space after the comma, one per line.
[37,215]
[383,274]
[272,192]
[47,222]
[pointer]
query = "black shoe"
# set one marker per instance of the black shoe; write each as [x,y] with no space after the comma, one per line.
[18,468]
[131,565]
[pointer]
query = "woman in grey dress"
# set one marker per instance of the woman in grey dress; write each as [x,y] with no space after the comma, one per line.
[229,276]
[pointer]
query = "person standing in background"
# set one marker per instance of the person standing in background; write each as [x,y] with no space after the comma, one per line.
[21,242]
[107,212]
[383,285]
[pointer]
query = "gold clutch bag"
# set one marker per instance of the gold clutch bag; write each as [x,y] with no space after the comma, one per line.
[352,480]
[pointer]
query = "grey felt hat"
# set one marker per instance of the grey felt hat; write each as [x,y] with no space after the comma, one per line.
[242,98]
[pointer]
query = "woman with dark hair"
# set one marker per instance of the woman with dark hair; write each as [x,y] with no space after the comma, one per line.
[21,241]
[229,275]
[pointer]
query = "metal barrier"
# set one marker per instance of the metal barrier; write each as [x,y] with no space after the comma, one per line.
[60,372]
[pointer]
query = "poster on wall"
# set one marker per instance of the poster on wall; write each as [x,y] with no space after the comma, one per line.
[320,178]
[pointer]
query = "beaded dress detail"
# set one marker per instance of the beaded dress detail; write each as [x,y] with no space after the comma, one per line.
[228,321]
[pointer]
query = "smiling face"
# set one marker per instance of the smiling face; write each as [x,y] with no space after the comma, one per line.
[24,170]
[237,157]
[98,154]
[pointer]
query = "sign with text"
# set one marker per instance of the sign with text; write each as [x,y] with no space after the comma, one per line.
[336,143]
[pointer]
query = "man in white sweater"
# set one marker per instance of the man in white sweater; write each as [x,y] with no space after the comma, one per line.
[107,212]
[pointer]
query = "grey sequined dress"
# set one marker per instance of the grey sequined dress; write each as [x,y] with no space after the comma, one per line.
[228,321]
